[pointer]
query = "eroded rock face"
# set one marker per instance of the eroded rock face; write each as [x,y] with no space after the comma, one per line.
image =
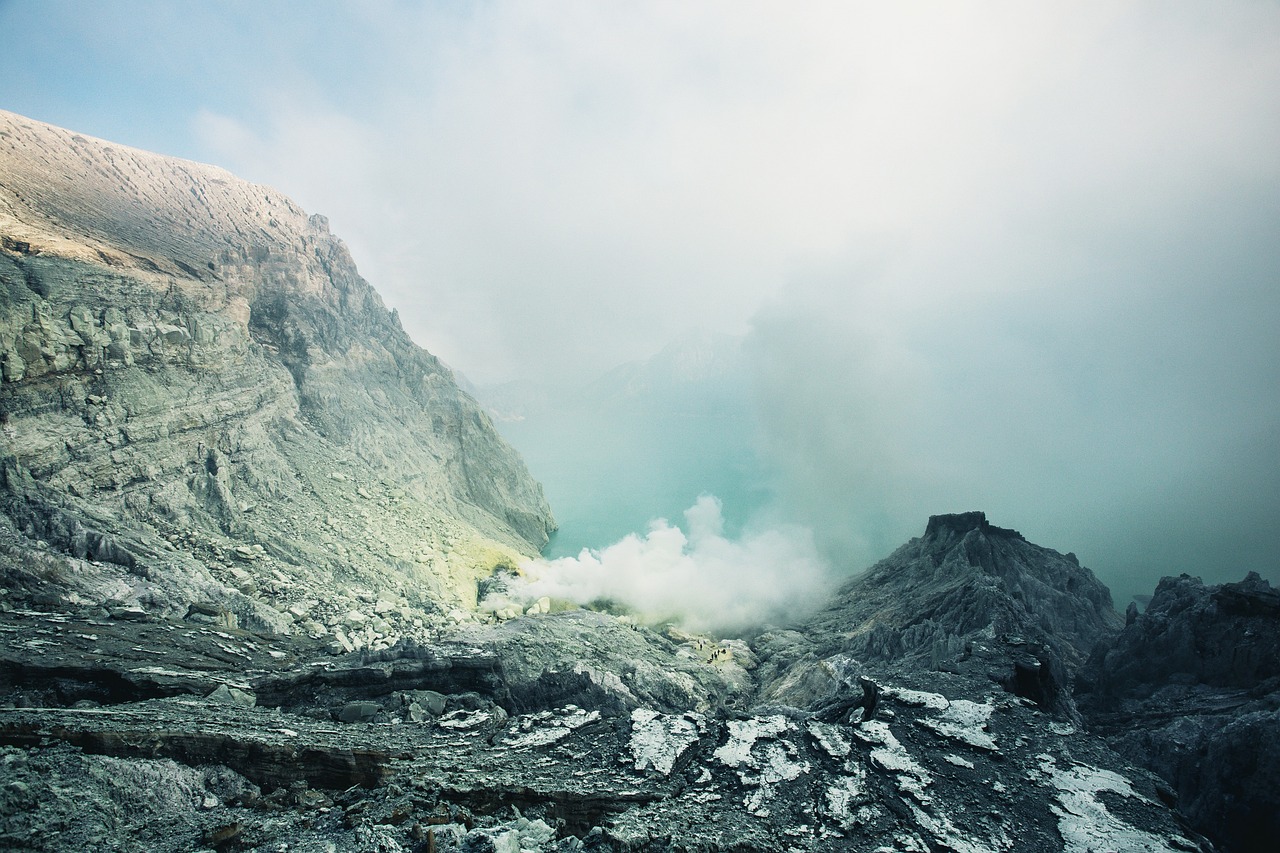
[972,595]
[1191,690]
[201,392]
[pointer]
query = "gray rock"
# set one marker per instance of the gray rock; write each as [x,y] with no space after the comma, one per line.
[233,696]
[1191,690]
[358,712]
[967,596]
[430,701]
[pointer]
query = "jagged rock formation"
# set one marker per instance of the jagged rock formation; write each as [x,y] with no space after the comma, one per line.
[1191,690]
[203,403]
[948,599]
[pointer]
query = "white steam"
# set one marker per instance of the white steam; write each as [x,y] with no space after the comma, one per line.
[701,579]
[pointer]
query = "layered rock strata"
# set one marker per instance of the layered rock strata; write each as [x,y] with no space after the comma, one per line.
[204,403]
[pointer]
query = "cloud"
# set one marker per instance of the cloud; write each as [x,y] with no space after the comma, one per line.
[540,194]
[700,579]
[1106,396]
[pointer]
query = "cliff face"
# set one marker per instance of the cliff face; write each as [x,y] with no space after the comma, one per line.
[202,397]
[1190,689]
[970,595]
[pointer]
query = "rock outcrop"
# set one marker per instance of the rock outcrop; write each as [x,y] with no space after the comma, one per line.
[454,747]
[1190,689]
[203,403]
[970,595]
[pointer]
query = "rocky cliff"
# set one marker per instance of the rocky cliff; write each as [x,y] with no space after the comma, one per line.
[1191,690]
[204,404]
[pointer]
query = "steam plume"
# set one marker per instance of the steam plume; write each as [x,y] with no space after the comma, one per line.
[701,579]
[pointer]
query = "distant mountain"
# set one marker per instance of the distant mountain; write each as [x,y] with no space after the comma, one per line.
[699,363]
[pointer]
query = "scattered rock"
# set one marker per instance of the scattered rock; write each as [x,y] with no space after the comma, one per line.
[233,696]
[358,712]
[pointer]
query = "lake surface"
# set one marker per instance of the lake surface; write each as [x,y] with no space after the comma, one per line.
[609,470]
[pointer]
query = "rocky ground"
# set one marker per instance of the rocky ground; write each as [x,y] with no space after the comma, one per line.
[557,730]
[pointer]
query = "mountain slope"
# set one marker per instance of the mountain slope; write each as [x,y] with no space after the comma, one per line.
[199,389]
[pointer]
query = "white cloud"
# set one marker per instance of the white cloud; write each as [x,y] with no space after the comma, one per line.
[543,193]
[700,578]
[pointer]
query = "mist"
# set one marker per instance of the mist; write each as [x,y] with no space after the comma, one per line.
[694,576]
[1019,258]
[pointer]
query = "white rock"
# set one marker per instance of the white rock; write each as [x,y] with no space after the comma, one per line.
[889,753]
[964,721]
[1084,821]
[918,698]
[658,740]
[831,739]
[743,735]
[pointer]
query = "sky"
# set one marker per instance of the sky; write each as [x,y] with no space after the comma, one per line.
[1019,257]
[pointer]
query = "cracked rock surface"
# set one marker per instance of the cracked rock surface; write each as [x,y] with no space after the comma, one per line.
[553,731]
